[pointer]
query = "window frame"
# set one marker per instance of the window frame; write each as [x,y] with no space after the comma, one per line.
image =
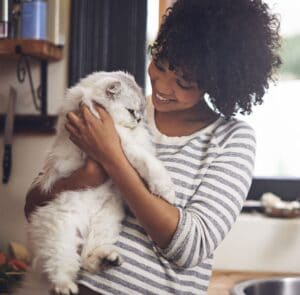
[287,189]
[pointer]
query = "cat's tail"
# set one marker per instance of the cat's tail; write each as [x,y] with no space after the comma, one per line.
[33,283]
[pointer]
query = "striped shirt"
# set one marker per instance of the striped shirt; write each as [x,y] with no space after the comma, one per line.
[211,171]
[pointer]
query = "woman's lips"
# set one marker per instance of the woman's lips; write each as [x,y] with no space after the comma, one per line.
[163,99]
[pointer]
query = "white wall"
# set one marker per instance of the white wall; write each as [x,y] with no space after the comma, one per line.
[28,154]
[29,150]
[263,244]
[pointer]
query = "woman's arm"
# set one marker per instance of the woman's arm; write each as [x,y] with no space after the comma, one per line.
[158,217]
[190,235]
[90,174]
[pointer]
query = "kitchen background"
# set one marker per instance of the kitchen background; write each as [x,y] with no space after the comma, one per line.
[257,242]
[28,148]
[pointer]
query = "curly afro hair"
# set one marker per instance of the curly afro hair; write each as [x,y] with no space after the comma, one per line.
[228,47]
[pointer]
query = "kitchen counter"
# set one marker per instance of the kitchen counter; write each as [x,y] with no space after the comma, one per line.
[222,281]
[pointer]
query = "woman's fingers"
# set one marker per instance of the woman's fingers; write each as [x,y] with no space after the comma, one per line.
[74,140]
[73,118]
[75,121]
[102,112]
[71,129]
[87,115]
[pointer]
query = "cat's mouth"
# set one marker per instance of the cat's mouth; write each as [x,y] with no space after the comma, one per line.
[130,125]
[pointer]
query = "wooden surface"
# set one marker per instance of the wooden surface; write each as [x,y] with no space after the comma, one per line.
[36,48]
[222,281]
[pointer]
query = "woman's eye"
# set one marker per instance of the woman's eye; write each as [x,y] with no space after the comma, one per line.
[159,66]
[185,87]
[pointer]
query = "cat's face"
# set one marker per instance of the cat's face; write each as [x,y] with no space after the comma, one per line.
[117,92]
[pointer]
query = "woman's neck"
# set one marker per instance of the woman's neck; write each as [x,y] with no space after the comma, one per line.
[198,113]
[186,122]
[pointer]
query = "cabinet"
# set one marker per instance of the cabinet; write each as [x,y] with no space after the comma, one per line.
[44,52]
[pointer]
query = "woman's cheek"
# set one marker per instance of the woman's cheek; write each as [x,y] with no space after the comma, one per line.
[153,72]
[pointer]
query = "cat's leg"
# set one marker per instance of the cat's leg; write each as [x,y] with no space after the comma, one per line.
[98,250]
[151,170]
[54,242]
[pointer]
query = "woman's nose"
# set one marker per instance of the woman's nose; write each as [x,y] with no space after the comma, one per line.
[164,87]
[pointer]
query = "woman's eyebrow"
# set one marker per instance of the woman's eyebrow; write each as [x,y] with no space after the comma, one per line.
[183,76]
[159,64]
[186,79]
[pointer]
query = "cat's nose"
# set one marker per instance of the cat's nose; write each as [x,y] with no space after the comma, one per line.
[137,116]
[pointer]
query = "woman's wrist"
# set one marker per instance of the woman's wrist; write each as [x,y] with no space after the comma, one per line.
[114,164]
[92,174]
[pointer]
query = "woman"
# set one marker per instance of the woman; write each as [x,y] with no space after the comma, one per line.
[227,50]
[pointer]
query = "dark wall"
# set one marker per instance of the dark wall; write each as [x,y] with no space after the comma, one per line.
[107,35]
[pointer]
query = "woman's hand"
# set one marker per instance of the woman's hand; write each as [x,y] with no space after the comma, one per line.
[98,138]
[91,174]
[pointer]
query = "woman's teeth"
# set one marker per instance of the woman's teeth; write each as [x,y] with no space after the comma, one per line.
[162,99]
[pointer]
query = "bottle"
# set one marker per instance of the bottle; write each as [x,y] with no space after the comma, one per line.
[4,15]
[56,21]
[14,27]
[34,19]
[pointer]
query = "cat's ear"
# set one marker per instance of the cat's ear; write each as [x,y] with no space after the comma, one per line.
[113,89]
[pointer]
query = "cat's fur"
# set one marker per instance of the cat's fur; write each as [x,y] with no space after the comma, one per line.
[90,218]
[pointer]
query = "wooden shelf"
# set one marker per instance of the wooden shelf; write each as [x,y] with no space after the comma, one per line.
[44,51]
[32,124]
[37,48]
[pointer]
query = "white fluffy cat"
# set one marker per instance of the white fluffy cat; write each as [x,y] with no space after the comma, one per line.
[89,219]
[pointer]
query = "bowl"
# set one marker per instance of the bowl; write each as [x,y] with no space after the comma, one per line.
[269,286]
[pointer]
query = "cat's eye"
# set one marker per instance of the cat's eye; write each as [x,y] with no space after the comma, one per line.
[131,112]
[134,115]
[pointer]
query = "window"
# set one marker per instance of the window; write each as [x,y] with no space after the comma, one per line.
[152,29]
[277,121]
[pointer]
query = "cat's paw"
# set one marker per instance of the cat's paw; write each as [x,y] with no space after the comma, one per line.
[169,195]
[101,258]
[65,288]
[163,189]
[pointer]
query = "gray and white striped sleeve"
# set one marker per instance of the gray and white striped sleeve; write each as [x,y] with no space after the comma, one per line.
[212,210]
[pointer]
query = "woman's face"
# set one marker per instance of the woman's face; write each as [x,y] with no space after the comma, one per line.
[170,92]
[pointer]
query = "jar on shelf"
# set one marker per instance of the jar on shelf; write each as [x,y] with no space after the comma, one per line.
[34,19]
